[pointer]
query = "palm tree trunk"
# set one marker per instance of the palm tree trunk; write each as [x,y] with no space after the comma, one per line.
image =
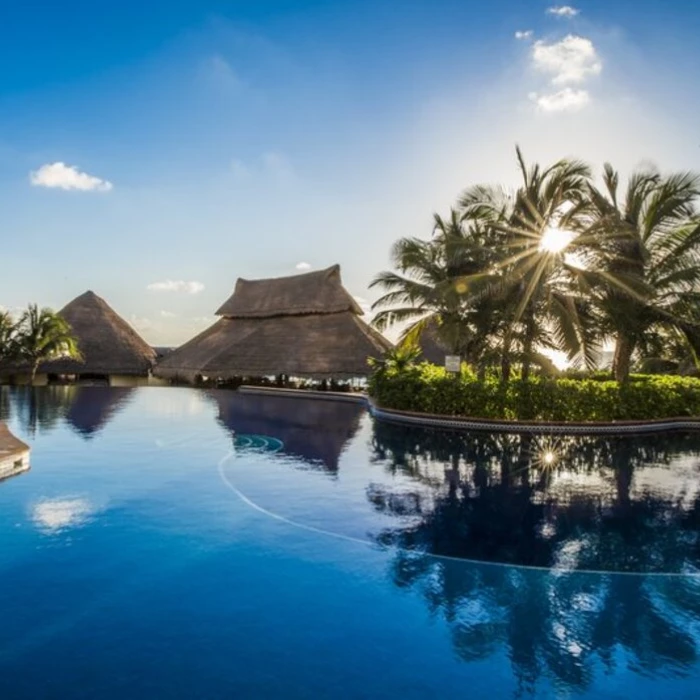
[35,368]
[527,346]
[505,360]
[624,347]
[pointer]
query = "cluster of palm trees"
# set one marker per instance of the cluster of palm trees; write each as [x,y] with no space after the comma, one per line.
[37,336]
[561,263]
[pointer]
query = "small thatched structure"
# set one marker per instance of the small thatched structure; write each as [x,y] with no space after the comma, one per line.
[301,326]
[112,351]
[14,454]
[108,344]
[313,430]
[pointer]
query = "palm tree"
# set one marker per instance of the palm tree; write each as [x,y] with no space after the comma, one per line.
[44,335]
[439,288]
[650,238]
[8,332]
[543,247]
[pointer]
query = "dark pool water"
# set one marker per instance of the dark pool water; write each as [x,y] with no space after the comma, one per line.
[176,543]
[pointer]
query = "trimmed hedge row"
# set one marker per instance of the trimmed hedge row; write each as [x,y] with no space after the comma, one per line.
[427,388]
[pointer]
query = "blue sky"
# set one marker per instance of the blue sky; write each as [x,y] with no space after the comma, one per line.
[156,151]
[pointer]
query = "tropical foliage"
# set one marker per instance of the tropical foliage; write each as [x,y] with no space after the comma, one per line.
[557,264]
[39,335]
[426,388]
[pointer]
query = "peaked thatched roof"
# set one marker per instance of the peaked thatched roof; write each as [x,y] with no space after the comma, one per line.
[9,444]
[302,326]
[311,429]
[318,292]
[109,345]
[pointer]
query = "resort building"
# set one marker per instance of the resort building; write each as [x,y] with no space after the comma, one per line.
[14,454]
[305,326]
[112,351]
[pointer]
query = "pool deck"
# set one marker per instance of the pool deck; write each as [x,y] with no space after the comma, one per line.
[14,454]
[622,427]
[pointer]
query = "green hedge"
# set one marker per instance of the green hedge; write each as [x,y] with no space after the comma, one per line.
[427,388]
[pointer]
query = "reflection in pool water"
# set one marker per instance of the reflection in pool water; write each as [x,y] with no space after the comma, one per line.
[188,592]
[600,503]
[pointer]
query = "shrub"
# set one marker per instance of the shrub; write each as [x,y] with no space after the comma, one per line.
[427,388]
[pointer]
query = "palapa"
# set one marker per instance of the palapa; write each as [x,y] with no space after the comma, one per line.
[107,343]
[304,325]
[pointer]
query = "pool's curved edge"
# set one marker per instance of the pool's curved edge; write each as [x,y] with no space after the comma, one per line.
[500,426]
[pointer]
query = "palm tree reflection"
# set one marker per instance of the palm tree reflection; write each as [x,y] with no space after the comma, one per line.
[596,508]
[86,409]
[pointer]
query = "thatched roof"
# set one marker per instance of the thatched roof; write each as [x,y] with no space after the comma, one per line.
[311,429]
[9,444]
[109,345]
[319,292]
[301,326]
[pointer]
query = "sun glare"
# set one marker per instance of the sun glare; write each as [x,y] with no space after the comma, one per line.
[554,240]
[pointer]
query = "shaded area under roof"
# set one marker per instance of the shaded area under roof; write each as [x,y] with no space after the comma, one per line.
[109,345]
[311,429]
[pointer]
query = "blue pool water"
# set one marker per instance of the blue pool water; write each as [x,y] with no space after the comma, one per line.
[176,543]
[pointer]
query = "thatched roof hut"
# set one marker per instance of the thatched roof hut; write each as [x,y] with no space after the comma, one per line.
[302,326]
[109,345]
[313,430]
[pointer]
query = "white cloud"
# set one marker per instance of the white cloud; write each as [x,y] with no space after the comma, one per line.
[67,177]
[303,266]
[57,514]
[570,60]
[524,36]
[141,324]
[563,11]
[363,304]
[176,286]
[167,314]
[566,100]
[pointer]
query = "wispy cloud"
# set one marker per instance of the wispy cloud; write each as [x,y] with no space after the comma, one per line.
[58,175]
[176,286]
[524,36]
[566,100]
[277,165]
[363,304]
[221,74]
[563,11]
[303,266]
[140,323]
[167,314]
[573,59]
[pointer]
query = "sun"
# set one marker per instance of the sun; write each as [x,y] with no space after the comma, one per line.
[555,240]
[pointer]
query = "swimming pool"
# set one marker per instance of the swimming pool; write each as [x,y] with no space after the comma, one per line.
[184,543]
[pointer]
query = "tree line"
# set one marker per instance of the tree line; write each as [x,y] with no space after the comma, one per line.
[36,336]
[560,263]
